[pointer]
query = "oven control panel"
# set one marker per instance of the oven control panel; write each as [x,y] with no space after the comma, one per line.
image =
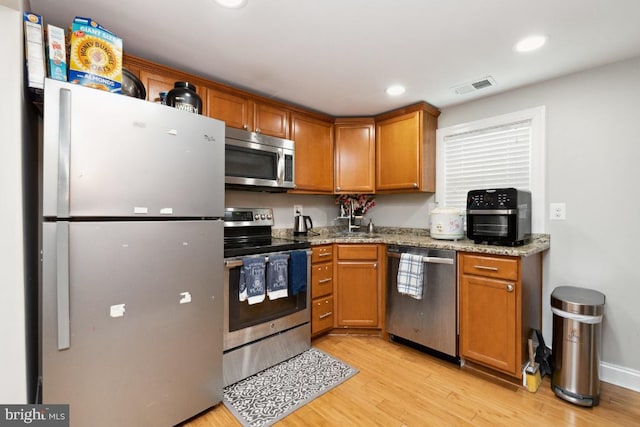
[503,198]
[248,217]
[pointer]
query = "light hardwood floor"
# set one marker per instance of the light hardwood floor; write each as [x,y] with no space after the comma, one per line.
[400,386]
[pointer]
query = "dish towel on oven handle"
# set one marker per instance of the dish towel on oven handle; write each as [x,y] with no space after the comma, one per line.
[277,276]
[411,275]
[252,280]
[298,271]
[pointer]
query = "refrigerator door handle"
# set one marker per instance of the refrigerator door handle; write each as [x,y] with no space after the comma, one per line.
[62,285]
[64,149]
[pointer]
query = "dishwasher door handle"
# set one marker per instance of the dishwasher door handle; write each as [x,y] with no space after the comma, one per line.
[428,259]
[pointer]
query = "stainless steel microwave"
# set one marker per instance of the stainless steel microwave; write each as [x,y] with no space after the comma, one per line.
[258,162]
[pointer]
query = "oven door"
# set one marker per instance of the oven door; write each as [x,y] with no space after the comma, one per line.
[245,323]
[492,225]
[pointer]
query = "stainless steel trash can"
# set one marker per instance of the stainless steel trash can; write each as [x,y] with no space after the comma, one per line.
[577,329]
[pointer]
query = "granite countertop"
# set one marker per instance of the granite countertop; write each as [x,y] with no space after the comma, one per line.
[419,238]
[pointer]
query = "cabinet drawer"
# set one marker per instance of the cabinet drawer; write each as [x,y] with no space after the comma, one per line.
[321,315]
[321,253]
[368,252]
[321,279]
[490,266]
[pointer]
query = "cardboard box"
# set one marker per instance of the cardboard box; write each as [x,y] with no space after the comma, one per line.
[95,57]
[56,53]
[34,51]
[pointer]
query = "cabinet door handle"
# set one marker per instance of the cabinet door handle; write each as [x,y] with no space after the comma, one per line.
[325,254]
[337,188]
[484,267]
[324,280]
[509,288]
[375,266]
[258,130]
[323,316]
[415,185]
[245,126]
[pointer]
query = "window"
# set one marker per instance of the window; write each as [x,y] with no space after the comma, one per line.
[502,151]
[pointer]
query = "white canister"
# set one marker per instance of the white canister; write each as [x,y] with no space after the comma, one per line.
[447,223]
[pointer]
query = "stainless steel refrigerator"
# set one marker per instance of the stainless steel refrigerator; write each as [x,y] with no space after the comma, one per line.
[131,272]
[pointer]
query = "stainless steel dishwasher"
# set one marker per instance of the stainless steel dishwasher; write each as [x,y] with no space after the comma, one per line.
[433,320]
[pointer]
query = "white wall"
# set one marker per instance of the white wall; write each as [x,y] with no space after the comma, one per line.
[13,382]
[593,165]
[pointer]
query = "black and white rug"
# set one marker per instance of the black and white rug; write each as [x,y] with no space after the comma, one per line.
[272,394]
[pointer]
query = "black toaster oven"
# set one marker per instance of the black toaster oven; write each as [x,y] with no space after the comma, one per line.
[500,216]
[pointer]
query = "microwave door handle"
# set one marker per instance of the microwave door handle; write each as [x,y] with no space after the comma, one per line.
[280,166]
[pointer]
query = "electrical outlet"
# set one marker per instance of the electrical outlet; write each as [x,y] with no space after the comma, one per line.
[557,211]
[297,210]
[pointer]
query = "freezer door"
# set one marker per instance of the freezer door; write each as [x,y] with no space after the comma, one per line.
[142,340]
[109,155]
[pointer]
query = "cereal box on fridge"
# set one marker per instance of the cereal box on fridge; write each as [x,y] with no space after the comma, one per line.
[56,53]
[95,57]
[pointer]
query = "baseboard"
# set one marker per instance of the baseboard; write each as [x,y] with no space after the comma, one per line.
[620,376]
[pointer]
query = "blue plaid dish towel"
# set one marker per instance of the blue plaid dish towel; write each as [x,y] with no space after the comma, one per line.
[411,275]
[252,280]
[278,276]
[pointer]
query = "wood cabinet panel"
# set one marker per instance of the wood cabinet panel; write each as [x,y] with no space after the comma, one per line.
[314,154]
[322,253]
[357,252]
[321,315]
[405,149]
[488,322]
[491,266]
[232,109]
[271,120]
[357,294]
[355,156]
[322,279]
[500,303]
[322,286]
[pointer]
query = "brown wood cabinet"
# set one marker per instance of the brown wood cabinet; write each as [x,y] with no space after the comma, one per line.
[358,277]
[500,303]
[322,317]
[231,108]
[405,149]
[355,152]
[314,154]
[270,119]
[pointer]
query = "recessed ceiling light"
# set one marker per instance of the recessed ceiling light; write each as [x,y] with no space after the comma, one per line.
[530,43]
[395,90]
[232,4]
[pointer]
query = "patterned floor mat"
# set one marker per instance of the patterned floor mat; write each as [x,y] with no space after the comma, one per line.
[272,394]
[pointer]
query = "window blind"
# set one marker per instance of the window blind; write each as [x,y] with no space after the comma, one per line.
[493,157]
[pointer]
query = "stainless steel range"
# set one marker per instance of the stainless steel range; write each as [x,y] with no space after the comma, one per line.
[259,335]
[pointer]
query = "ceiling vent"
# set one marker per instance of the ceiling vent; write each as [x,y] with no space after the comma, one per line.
[475,85]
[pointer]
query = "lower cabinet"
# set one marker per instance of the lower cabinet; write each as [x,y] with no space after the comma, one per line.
[358,286]
[500,303]
[321,289]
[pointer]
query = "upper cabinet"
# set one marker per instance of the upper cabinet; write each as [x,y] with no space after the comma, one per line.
[406,148]
[314,154]
[270,119]
[231,108]
[355,152]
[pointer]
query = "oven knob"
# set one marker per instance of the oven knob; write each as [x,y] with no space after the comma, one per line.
[269,216]
[256,217]
[262,216]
